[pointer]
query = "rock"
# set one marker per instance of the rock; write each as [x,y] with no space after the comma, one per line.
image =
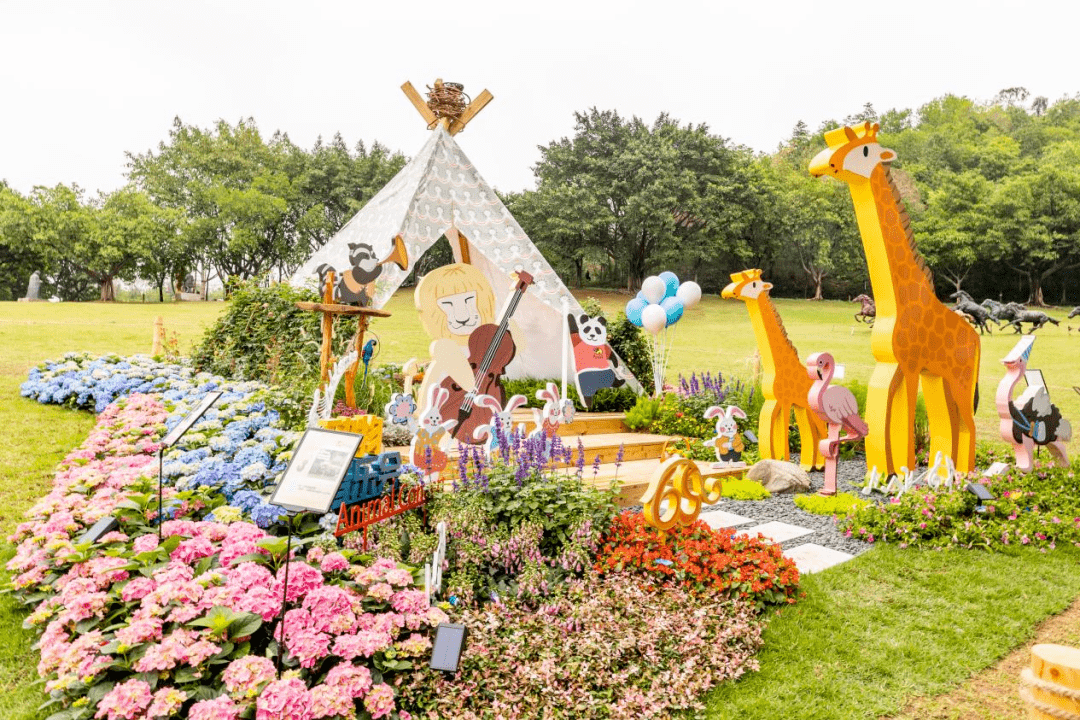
[779,477]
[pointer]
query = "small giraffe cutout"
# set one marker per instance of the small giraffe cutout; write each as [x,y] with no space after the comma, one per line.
[784,382]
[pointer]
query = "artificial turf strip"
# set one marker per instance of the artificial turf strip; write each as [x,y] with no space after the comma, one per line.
[894,624]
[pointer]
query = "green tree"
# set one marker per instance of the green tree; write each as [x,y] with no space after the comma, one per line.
[1036,219]
[20,254]
[954,235]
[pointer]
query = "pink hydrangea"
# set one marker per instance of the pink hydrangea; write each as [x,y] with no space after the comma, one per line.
[414,646]
[246,675]
[247,575]
[191,550]
[381,591]
[186,528]
[308,646]
[331,609]
[220,708]
[262,601]
[126,701]
[363,644]
[315,554]
[167,702]
[138,631]
[145,543]
[380,701]
[285,699]
[333,562]
[400,577]
[328,701]
[302,579]
[137,588]
[356,679]
[410,601]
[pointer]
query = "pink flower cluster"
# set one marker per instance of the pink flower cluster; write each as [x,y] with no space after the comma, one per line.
[146,606]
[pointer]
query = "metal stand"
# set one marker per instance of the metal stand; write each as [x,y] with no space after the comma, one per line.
[160,481]
[284,594]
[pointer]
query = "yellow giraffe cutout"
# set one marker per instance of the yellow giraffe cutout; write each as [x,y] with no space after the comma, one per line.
[915,335]
[784,382]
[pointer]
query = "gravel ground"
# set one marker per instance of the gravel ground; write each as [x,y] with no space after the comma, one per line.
[782,508]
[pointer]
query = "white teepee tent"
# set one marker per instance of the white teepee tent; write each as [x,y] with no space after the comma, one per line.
[440,191]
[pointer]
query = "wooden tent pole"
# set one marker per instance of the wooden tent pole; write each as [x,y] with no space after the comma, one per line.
[350,374]
[327,329]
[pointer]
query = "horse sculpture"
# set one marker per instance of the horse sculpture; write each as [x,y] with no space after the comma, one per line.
[1015,314]
[1075,311]
[868,312]
[977,314]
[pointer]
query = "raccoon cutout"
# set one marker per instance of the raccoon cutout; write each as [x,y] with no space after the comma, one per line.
[595,365]
[355,285]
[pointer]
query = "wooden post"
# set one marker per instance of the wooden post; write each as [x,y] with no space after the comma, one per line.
[350,374]
[159,336]
[327,329]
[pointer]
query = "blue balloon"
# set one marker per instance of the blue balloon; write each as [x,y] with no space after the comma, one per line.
[674,308]
[671,283]
[641,296]
[634,308]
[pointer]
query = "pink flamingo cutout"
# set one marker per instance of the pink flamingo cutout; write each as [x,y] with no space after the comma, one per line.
[837,407]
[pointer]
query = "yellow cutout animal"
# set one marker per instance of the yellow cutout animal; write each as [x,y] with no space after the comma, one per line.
[784,382]
[915,335]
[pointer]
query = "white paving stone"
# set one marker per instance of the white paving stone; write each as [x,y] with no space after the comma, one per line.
[812,558]
[717,519]
[778,531]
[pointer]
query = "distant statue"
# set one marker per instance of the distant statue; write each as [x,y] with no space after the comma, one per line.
[34,288]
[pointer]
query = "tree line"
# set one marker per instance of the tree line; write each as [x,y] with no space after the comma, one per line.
[992,188]
[222,202]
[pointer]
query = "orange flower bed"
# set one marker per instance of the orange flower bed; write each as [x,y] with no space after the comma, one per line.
[701,560]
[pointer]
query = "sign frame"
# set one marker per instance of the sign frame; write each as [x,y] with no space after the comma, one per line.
[174,435]
[320,449]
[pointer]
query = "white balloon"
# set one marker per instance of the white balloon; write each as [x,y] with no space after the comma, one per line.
[653,318]
[689,293]
[653,289]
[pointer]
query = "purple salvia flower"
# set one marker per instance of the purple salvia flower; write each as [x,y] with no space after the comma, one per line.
[619,457]
[596,467]
[463,467]
[580,458]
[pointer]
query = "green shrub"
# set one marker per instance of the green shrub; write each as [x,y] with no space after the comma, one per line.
[630,344]
[838,504]
[606,400]
[643,414]
[743,489]
[264,336]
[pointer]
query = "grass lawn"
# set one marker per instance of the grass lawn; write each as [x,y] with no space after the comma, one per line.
[895,624]
[869,635]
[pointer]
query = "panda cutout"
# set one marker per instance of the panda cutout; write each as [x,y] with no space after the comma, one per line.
[595,365]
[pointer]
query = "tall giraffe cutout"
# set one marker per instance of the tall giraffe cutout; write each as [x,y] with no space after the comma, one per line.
[915,335]
[784,382]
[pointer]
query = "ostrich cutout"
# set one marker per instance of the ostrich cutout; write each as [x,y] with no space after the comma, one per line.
[1031,419]
[916,336]
[784,383]
[837,407]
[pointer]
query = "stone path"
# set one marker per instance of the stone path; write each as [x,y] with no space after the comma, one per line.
[809,557]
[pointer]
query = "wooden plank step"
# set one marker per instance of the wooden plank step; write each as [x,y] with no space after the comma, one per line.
[636,446]
[633,477]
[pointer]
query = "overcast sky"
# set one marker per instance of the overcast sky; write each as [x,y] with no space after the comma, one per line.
[83,82]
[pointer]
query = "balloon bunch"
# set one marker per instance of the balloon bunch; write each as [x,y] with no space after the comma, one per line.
[659,306]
